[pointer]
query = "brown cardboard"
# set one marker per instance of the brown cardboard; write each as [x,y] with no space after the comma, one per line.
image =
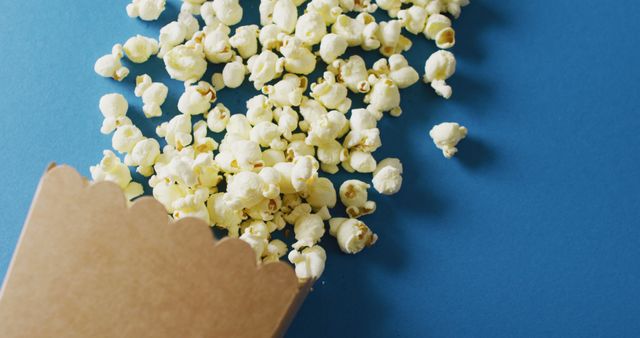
[86,265]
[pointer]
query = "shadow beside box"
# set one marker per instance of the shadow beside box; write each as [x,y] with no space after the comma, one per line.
[89,265]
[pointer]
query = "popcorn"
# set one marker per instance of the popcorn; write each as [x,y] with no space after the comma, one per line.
[285,168]
[361,161]
[310,28]
[274,251]
[330,154]
[453,7]
[353,194]
[147,10]
[321,194]
[304,172]
[218,118]
[110,66]
[259,109]
[176,32]
[391,6]
[269,37]
[167,193]
[352,234]
[113,170]
[308,231]
[272,156]
[186,63]
[217,47]
[438,28]
[153,95]
[217,81]
[400,72]
[222,215]
[332,46]
[229,12]
[192,205]
[285,15]
[271,179]
[387,178]
[298,58]
[245,41]
[266,11]
[391,39]
[143,155]
[384,96]
[287,120]
[446,136]
[349,28]
[438,68]
[114,109]
[140,48]
[257,236]
[233,73]
[197,99]
[191,6]
[309,263]
[362,119]
[365,140]
[244,190]
[370,39]
[332,94]
[263,68]
[414,19]
[288,91]
[327,128]
[267,134]
[202,143]
[247,155]
[177,132]
[353,73]
[125,138]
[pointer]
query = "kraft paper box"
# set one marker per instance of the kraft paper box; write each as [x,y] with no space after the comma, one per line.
[88,265]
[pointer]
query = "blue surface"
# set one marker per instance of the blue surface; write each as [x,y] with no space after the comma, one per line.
[531,231]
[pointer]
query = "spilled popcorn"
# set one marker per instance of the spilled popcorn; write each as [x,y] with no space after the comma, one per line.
[295,128]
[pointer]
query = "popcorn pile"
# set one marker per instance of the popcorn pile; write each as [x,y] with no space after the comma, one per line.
[264,174]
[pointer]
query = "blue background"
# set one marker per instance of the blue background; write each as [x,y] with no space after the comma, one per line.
[531,231]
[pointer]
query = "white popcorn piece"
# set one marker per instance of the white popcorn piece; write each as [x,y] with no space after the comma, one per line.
[288,91]
[285,15]
[331,94]
[110,66]
[330,154]
[239,125]
[414,19]
[217,47]
[275,250]
[310,28]
[263,68]
[353,195]
[391,6]
[267,134]
[271,157]
[113,170]
[285,168]
[114,109]
[266,11]
[244,190]
[217,81]
[452,7]
[387,178]
[304,172]
[125,138]
[192,204]
[147,10]
[218,117]
[361,161]
[143,155]
[437,69]
[384,96]
[352,234]
[186,63]
[438,28]
[362,119]
[269,37]
[233,73]
[192,6]
[259,109]
[400,72]
[229,12]
[271,179]
[308,230]
[257,236]
[176,32]
[287,119]
[321,194]
[327,128]
[332,46]
[245,41]
[177,131]
[329,10]
[153,95]
[202,143]
[222,215]
[298,58]
[446,38]
[365,140]
[391,39]
[446,136]
[140,48]
[197,99]
[349,28]
[353,73]
[309,263]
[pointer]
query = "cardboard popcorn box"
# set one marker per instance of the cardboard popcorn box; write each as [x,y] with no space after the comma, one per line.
[89,265]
